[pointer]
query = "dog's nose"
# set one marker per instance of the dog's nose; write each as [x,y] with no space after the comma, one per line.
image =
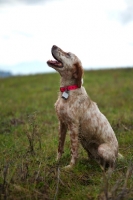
[54,47]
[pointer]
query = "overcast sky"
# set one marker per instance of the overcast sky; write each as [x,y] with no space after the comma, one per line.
[99,32]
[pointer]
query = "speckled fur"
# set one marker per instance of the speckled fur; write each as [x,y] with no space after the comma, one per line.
[82,117]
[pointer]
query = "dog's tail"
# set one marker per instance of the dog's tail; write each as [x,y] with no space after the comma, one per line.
[120,156]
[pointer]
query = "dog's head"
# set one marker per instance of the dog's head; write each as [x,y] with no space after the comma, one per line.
[67,64]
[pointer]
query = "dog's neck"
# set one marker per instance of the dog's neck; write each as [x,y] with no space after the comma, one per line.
[65,82]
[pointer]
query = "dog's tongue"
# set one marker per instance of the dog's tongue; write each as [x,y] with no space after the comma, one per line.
[53,62]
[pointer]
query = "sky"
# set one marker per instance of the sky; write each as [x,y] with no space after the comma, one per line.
[99,32]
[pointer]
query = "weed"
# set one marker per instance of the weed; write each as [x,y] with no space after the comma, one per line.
[33,133]
[120,190]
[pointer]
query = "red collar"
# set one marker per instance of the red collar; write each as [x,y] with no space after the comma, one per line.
[67,88]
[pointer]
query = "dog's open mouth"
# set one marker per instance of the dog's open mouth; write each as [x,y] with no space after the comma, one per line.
[55,63]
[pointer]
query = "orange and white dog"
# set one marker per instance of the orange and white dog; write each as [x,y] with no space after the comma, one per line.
[80,115]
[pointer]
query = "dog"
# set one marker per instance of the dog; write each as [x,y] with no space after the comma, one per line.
[80,115]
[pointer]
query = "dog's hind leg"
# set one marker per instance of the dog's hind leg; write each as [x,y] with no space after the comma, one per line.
[107,156]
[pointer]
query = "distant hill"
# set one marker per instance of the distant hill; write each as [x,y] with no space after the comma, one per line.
[4,74]
[26,68]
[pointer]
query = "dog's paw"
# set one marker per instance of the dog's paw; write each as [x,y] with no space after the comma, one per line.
[68,167]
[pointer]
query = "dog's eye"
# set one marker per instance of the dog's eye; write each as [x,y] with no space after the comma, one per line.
[68,54]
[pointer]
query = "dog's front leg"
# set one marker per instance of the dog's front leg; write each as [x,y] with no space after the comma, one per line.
[74,144]
[62,136]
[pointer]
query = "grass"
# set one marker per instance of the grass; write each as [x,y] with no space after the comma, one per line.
[29,139]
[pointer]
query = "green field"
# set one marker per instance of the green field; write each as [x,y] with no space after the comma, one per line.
[29,139]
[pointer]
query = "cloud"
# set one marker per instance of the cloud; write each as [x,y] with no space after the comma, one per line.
[23,1]
[126,15]
[29,29]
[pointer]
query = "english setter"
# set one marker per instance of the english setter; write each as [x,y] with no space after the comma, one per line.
[80,115]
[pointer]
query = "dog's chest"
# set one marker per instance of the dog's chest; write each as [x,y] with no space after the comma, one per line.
[64,110]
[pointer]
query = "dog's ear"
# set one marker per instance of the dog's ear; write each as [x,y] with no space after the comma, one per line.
[77,73]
